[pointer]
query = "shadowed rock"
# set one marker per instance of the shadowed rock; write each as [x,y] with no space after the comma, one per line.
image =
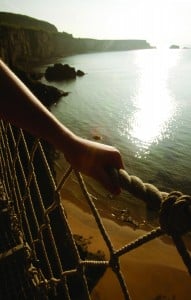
[59,72]
[80,73]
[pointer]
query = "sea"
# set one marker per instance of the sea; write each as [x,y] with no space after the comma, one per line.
[140,102]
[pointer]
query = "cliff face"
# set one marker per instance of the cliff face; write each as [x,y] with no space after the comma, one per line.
[111,45]
[19,45]
[23,45]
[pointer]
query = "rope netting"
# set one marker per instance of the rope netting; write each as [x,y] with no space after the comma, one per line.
[37,234]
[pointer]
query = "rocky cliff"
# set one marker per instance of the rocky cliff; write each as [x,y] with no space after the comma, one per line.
[23,45]
[35,41]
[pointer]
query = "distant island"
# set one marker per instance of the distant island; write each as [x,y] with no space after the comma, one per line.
[174,47]
[25,41]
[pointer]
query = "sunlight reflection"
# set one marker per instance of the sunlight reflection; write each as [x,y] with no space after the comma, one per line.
[154,105]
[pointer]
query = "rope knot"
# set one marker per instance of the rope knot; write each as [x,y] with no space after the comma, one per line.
[114,263]
[175,214]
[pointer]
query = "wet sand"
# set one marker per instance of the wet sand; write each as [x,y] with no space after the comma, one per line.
[152,270]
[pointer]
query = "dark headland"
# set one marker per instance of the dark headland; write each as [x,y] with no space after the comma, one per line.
[28,40]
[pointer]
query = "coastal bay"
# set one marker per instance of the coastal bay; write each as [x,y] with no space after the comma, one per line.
[136,100]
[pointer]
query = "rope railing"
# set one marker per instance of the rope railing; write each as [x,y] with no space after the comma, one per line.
[35,212]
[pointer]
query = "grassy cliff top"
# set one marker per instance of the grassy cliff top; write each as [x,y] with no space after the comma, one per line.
[17,20]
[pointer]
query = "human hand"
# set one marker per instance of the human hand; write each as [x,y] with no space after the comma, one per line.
[90,158]
[97,161]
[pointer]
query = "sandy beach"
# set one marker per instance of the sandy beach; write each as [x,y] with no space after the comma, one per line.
[154,271]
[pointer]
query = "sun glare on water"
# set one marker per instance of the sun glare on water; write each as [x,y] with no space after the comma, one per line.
[154,105]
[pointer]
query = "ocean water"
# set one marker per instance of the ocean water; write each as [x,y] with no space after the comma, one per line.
[140,102]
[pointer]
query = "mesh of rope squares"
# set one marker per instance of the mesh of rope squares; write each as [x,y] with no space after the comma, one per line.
[52,258]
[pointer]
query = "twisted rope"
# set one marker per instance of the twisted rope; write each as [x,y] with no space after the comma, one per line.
[140,241]
[175,220]
[114,261]
[145,191]
[174,214]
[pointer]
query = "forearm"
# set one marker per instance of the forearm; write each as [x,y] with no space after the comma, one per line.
[21,108]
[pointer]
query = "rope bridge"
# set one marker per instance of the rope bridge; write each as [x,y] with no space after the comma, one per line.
[40,257]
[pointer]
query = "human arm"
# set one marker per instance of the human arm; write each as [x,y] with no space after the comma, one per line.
[21,108]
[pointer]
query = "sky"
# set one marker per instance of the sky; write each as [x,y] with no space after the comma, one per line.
[160,22]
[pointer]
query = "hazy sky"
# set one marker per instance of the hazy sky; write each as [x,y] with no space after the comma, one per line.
[157,21]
